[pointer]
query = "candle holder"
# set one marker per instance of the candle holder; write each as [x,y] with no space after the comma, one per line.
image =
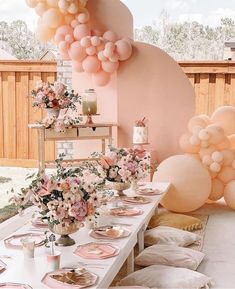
[89,119]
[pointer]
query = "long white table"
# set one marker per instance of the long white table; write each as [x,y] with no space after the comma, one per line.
[31,271]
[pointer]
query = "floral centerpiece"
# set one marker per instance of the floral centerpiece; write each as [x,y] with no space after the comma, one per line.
[61,125]
[124,166]
[54,96]
[66,199]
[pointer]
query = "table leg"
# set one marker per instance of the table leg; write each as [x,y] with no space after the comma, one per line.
[41,150]
[110,136]
[103,145]
[141,239]
[130,263]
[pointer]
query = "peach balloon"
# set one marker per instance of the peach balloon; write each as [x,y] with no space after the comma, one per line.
[44,34]
[216,133]
[108,52]
[91,50]
[228,157]
[52,3]
[63,4]
[229,194]
[225,117]
[101,78]
[52,18]
[194,140]
[110,36]
[203,134]
[95,32]
[68,19]
[91,64]
[109,66]
[232,141]
[190,183]
[31,3]
[81,30]
[186,145]
[62,31]
[77,66]
[69,38]
[204,144]
[83,18]
[217,157]
[114,58]
[73,8]
[207,151]
[217,190]
[74,23]
[123,49]
[227,174]
[101,56]
[77,52]
[225,144]
[86,41]
[215,167]
[63,46]
[95,41]
[205,118]
[196,129]
[196,121]
[41,8]
[207,160]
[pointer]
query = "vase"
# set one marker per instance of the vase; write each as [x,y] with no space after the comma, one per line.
[52,112]
[64,240]
[118,186]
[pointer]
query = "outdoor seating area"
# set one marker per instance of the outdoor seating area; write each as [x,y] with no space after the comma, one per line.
[117,157]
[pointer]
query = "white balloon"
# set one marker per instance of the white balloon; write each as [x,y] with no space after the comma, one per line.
[217,157]
[215,167]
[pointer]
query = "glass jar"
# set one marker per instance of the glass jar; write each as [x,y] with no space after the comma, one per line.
[89,102]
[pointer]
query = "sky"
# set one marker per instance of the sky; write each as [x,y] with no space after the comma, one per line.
[145,11]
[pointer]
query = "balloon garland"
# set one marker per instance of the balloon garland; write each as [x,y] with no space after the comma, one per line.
[212,141]
[66,22]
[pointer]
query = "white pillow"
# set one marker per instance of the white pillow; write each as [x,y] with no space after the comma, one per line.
[170,236]
[159,276]
[170,255]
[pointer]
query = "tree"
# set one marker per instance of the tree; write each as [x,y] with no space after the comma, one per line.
[188,40]
[20,40]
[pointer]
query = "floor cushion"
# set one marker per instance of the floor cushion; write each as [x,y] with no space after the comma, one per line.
[170,255]
[170,236]
[159,276]
[178,221]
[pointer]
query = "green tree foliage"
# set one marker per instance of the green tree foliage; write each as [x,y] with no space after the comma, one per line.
[20,41]
[188,40]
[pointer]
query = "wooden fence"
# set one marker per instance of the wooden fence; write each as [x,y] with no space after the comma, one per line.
[18,143]
[214,84]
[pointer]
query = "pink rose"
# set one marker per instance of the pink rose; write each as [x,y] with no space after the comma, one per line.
[106,162]
[79,210]
[46,189]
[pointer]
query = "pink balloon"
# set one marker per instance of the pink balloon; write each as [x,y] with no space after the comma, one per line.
[52,18]
[110,36]
[63,46]
[124,49]
[74,23]
[61,32]
[76,51]
[186,145]
[110,45]
[77,66]
[80,31]
[227,174]
[69,38]
[228,157]
[86,41]
[100,47]
[101,78]
[83,18]
[217,190]
[109,66]
[95,41]
[91,64]
[91,50]
[108,52]
[216,133]
[101,56]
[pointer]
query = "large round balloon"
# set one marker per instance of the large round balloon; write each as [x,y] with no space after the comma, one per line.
[217,190]
[190,183]
[229,194]
[186,146]
[225,117]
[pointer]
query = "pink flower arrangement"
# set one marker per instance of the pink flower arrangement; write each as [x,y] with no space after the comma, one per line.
[66,197]
[54,95]
[125,165]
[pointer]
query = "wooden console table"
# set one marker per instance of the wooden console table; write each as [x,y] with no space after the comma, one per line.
[96,131]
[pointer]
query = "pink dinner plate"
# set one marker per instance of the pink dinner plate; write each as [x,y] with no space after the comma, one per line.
[97,251]
[68,279]
[136,200]
[149,192]
[123,233]
[9,285]
[14,241]
[3,266]
[122,211]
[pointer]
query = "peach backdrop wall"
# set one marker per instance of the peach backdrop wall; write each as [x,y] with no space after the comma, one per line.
[149,84]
